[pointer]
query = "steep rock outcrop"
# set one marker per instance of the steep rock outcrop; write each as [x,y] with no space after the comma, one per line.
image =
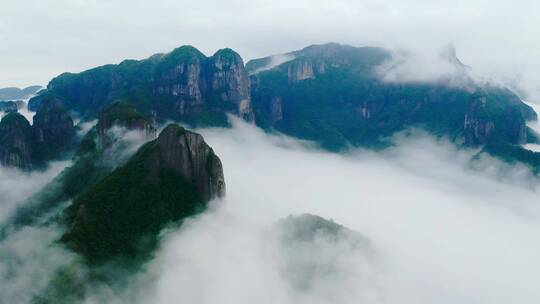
[187,154]
[180,76]
[300,70]
[15,141]
[167,180]
[183,85]
[496,115]
[51,135]
[230,81]
[53,130]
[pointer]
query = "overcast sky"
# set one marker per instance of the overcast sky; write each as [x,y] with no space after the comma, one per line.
[40,39]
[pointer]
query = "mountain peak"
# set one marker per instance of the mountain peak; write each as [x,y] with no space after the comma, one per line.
[185,52]
[15,141]
[186,153]
[167,180]
[226,52]
[448,53]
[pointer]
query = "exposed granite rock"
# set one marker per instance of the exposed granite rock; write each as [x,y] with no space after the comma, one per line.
[476,131]
[182,85]
[300,70]
[53,130]
[219,82]
[230,80]
[15,141]
[181,76]
[167,180]
[187,154]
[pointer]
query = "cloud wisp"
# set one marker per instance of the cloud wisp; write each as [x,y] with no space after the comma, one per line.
[275,61]
[16,185]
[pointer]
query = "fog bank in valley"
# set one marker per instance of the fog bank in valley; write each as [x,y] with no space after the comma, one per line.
[16,185]
[441,227]
[435,226]
[28,257]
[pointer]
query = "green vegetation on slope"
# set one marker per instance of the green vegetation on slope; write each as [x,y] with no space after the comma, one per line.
[332,95]
[176,86]
[122,214]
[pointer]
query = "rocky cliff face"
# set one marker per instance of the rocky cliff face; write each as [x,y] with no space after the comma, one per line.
[230,81]
[483,122]
[180,76]
[53,130]
[167,180]
[195,81]
[183,85]
[15,141]
[187,154]
[300,70]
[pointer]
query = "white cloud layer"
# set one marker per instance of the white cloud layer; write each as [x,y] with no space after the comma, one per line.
[441,231]
[28,260]
[16,185]
[41,39]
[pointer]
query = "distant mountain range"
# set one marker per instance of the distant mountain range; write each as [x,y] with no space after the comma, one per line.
[332,94]
[13,93]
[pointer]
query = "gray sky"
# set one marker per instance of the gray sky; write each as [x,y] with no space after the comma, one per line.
[40,39]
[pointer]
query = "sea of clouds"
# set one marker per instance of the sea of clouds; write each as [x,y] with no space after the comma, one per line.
[442,226]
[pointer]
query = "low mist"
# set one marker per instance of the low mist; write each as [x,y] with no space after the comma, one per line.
[17,185]
[435,224]
[28,257]
[442,228]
